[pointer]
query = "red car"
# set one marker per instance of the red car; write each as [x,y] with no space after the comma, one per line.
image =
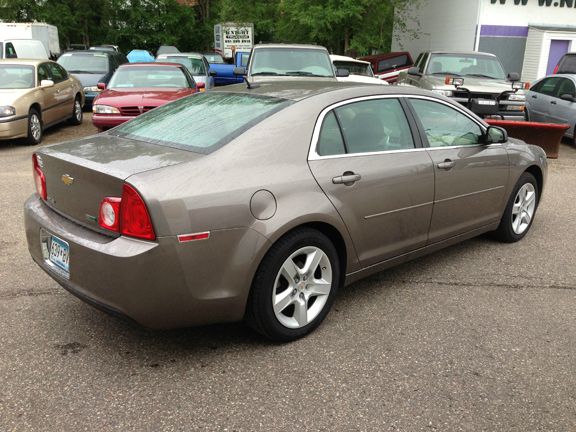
[138,88]
[388,66]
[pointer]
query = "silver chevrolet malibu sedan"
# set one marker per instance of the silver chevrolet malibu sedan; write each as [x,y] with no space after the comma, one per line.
[260,203]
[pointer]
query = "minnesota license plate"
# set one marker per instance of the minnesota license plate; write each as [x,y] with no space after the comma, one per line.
[59,253]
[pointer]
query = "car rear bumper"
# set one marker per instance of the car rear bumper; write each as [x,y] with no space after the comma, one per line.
[14,128]
[161,284]
[106,121]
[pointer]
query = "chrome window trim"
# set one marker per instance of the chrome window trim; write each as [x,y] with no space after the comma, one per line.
[313,154]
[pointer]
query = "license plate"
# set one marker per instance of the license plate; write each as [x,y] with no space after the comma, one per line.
[59,253]
[486,102]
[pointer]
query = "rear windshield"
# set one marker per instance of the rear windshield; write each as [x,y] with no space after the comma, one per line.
[393,63]
[355,68]
[568,64]
[201,123]
[87,63]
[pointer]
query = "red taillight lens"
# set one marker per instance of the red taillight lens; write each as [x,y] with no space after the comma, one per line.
[39,177]
[109,215]
[134,218]
[127,215]
[556,69]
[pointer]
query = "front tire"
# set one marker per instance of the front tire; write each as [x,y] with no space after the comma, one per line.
[34,127]
[77,113]
[520,210]
[294,286]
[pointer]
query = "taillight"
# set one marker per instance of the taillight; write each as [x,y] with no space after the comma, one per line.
[109,215]
[556,69]
[127,215]
[39,177]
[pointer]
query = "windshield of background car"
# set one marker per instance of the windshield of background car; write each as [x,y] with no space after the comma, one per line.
[145,77]
[291,62]
[393,62]
[568,64]
[465,65]
[203,122]
[87,63]
[194,65]
[214,58]
[16,77]
[355,68]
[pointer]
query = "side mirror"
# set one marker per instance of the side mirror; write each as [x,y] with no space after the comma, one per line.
[46,83]
[414,71]
[495,135]
[513,76]
[239,70]
[101,86]
[567,97]
[200,86]
[342,73]
[212,73]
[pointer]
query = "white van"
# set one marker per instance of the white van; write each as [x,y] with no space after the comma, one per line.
[22,48]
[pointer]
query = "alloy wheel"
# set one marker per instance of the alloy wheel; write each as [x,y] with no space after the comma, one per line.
[523,208]
[35,127]
[302,287]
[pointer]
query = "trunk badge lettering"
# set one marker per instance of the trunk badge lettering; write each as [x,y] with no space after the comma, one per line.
[67,179]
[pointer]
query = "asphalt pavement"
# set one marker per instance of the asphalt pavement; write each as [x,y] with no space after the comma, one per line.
[478,337]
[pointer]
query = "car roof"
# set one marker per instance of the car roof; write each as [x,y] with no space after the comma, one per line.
[300,90]
[281,45]
[182,54]
[91,52]
[149,64]
[464,53]
[335,57]
[28,62]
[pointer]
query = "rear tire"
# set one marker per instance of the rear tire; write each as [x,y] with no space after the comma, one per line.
[77,113]
[34,127]
[294,286]
[520,210]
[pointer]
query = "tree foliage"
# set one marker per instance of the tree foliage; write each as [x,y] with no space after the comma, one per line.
[356,26]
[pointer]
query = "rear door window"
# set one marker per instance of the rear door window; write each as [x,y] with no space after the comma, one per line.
[566,86]
[547,86]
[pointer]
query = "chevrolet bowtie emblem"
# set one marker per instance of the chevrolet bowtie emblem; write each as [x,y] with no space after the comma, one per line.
[67,179]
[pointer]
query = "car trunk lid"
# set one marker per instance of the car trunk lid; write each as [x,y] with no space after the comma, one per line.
[80,174]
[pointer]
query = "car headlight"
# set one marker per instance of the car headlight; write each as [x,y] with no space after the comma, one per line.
[447,93]
[517,97]
[92,89]
[7,111]
[105,109]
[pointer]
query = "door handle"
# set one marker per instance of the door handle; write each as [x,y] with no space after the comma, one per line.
[534,97]
[348,178]
[553,103]
[446,165]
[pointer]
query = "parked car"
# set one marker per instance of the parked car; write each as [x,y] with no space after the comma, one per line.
[360,71]
[136,88]
[567,64]
[111,48]
[167,49]
[224,73]
[261,203]
[196,64]
[474,79]
[34,95]
[289,62]
[552,100]
[388,66]
[91,67]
